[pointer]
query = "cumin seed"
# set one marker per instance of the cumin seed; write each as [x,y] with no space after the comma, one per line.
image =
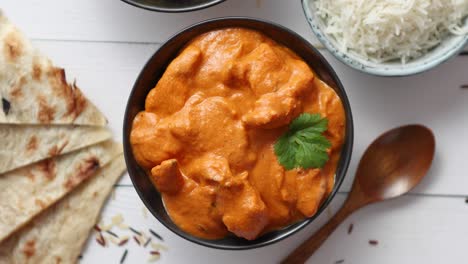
[373,242]
[350,228]
[155,253]
[339,261]
[464,86]
[156,234]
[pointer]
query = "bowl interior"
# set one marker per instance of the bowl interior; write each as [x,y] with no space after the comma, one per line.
[150,75]
[173,5]
[448,48]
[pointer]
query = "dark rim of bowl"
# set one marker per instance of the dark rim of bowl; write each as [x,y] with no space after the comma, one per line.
[173,10]
[342,166]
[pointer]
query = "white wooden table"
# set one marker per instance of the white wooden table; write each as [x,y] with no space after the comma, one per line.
[105,43]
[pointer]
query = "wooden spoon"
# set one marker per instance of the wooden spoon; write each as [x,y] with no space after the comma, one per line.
[392,165]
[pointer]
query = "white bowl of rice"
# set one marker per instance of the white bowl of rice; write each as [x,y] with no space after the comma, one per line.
[390,37]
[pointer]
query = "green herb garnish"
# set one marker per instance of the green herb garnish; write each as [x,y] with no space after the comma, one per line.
[304,145]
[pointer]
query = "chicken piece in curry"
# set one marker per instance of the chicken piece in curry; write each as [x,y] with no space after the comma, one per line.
[207,135]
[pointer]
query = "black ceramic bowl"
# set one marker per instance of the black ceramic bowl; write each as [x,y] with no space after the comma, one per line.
[150,75]
[173,6]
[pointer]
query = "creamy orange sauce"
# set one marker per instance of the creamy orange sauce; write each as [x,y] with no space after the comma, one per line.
[207,133]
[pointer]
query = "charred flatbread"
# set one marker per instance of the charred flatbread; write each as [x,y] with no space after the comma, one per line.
[26,192]
[33,90]
[59,233]
[22,145]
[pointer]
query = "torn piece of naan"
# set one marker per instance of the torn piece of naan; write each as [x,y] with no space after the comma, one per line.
[27,191]
[22,145]
[33,90]
[59,233]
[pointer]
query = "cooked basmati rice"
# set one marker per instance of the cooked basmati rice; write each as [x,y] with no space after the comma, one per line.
[383,30]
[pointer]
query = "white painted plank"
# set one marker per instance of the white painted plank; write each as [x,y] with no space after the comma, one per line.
[434,99]
[410,229]
[106,72]
[113,20]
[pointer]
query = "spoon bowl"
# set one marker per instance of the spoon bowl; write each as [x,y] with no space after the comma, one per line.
[395,162]
[391,166]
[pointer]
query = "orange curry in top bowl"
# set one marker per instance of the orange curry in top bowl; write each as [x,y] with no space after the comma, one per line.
[209,136]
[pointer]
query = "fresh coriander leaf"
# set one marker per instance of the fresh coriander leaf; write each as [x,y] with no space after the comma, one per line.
[311,122]
[285,154]
[304,145]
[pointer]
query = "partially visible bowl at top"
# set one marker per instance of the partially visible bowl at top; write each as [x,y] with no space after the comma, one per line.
[172,6]
[448,48]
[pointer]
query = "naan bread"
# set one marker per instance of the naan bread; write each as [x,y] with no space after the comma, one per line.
[27,191]
[22,145]
[33,91]
[58,234]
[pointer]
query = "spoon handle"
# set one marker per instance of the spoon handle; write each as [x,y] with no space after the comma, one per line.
[308,247]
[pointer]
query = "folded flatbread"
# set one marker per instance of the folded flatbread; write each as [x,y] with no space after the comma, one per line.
[27,191]
[33,91]
[59,233]
[25,144]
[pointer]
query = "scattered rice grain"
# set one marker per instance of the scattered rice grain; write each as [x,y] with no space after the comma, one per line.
[112,233]
[158,247]
[97,228]
[123,226]
[136,240]
[154,258]
[114,240]
[147,242]
[105,228]
[134,230]
[123,242]
[124,256]
[117,219]
[100,239]
[156,235]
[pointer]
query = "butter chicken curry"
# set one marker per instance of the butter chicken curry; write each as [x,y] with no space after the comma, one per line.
[208,132]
